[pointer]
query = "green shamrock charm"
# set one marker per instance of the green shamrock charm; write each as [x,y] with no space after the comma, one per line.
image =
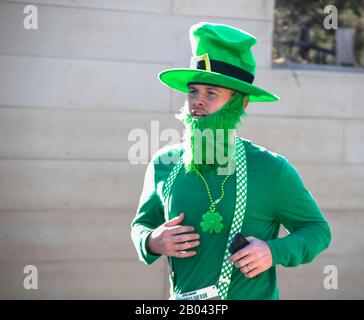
[211,222]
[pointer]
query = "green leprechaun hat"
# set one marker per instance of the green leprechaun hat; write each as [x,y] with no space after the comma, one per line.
[222,57]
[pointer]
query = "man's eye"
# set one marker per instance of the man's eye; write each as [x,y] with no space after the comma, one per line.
[211,92]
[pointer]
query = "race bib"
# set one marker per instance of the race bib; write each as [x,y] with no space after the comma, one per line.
[208,293]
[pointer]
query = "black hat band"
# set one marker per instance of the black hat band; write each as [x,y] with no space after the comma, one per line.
[227,69]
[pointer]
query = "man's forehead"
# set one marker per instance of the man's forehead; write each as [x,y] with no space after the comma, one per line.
[205,86]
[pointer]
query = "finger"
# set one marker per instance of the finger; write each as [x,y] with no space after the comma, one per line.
[249,267]
[251,238]
[184,254]
[180,229]
[249,259]
[175,221]
[185,245]
[240,254]
[253,273]
[186,237]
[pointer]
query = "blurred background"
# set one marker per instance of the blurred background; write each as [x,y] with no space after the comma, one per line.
[72,90]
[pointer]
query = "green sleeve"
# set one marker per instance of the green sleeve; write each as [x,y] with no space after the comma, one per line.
[149,215]
[297,211]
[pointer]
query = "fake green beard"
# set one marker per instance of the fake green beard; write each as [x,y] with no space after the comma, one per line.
[209,142]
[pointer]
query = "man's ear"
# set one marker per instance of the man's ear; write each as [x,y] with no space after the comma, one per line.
[246,101]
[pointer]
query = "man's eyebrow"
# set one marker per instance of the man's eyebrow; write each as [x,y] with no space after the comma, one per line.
[207,87]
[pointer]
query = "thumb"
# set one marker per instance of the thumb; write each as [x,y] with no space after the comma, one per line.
[175,221]
[251,238]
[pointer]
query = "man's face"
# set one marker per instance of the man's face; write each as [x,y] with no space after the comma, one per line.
[204,99]
[210,116]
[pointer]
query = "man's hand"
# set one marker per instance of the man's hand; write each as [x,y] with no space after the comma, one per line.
[172,239]
[255,258]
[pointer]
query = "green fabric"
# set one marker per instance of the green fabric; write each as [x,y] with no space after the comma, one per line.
[276,195]
[222,43]
[212,37]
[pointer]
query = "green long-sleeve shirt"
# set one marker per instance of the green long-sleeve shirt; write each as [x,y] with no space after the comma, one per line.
[276,195]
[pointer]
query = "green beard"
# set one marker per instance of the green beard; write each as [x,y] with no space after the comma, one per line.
[209,142]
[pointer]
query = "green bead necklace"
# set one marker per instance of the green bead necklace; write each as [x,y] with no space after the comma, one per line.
[212,220]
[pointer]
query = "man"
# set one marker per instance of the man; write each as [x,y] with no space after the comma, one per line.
[191,208]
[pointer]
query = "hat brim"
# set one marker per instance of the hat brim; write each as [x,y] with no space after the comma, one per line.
[179,78]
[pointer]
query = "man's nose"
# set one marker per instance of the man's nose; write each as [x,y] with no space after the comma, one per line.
[199,100]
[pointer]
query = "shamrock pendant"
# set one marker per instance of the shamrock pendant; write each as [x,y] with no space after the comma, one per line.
[211,222]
